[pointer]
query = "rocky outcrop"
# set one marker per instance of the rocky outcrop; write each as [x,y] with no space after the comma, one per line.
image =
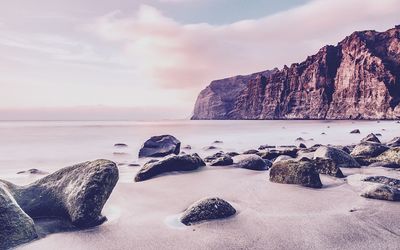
[359,78]
[160,146]
[207,209]
[169,164]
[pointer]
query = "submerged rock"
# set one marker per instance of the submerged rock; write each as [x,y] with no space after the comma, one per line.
[295,172]
[76,193]
[187,147]
[250,152]
[224,160]
[160,146]
[207,209]
[16,227]
[232,154]
[355,131]
[382,192]
[218,142]
[383,180]
[120,145]
[215,156]
[371,138]
[262,147]
[210,148]
[252,162]
[32,171]
[274,153]
[339,157]
[169,164]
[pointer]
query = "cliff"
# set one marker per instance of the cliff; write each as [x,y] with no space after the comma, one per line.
[359,78]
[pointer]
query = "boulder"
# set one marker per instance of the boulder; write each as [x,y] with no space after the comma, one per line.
[395,142]
[390,156]
[274,153]
[252,162]
[250,152]
[384,165]
[215,156]
[355,131]
[169,164]
[283,158]
[368,149]
[76,193]
[302,145]
[382,192]
[339,157]
[371,138]
[16,227]
[262,147]
[160,146]
[225,160]
[207,209]
[232,154]
[383,180]
[295,172]
[328,167]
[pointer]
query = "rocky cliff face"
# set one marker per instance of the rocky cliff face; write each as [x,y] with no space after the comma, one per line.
[359,78]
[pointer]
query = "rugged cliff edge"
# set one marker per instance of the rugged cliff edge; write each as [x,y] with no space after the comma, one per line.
[359,78]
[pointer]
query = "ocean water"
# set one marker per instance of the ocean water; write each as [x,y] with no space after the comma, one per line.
[50,145]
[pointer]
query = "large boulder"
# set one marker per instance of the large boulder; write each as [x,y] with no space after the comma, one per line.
[207,209]
[371,138]
[390,156]
[339,157]
[395,142]
[252,162]
[169,164]
[295,172]
[328,167]
[382,192]
[368,149]
[224,160]
[16,227]
[160,146]
[76,193]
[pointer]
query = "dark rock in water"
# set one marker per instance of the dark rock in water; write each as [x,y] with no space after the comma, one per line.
[250,152]
[300,139]
[225,160]
[378,134]
[252,162]
[368,149]
[32,171]
[395,142]
[295,172]
[287,146]
[16,227]
[207,209]
[355,131]
[218,142]
[371,138]
[160,146]
[323,133]
[302,145]
[383,180]
[382,192]
[187,147]
[391,156]
[274,153]
[384,165]
[232,154]
[120,145]
[169,164]
[339,157]
[134,165]
[328,167]
[215,156]
[262,147]
[210,148]
[76,193]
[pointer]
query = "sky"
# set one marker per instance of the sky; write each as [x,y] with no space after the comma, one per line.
[149,59]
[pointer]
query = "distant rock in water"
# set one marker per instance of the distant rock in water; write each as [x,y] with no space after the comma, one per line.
[207,209]
[120,145]
[32,171]
[169,164]
[371,138]
[252,162]
[224,160]
[355,131]
[359,78]
[160,146]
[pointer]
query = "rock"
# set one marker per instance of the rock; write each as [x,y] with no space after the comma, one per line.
[225,160]
[169,164]
[378,134]
[16,227]
[187,147]
[232,154]
[300,139]
[302,145]
[395,142]
[390,156]
[328,167]
[323,133]
[339,157]
[262,147]
[371,138]
[210,148]
[120,145]
[356,79]
[134,165]
[355,131]
[207,209]
[283,158]
[250,152]
[295,172]
[368,149]
[253,162]
[383,180]
[215,156]
[160,146]
[274,153]
[218,142]
[76,193]
[382,192]
[384,165]
[32,171]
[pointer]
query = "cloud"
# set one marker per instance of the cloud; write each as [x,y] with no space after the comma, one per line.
[183,56]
